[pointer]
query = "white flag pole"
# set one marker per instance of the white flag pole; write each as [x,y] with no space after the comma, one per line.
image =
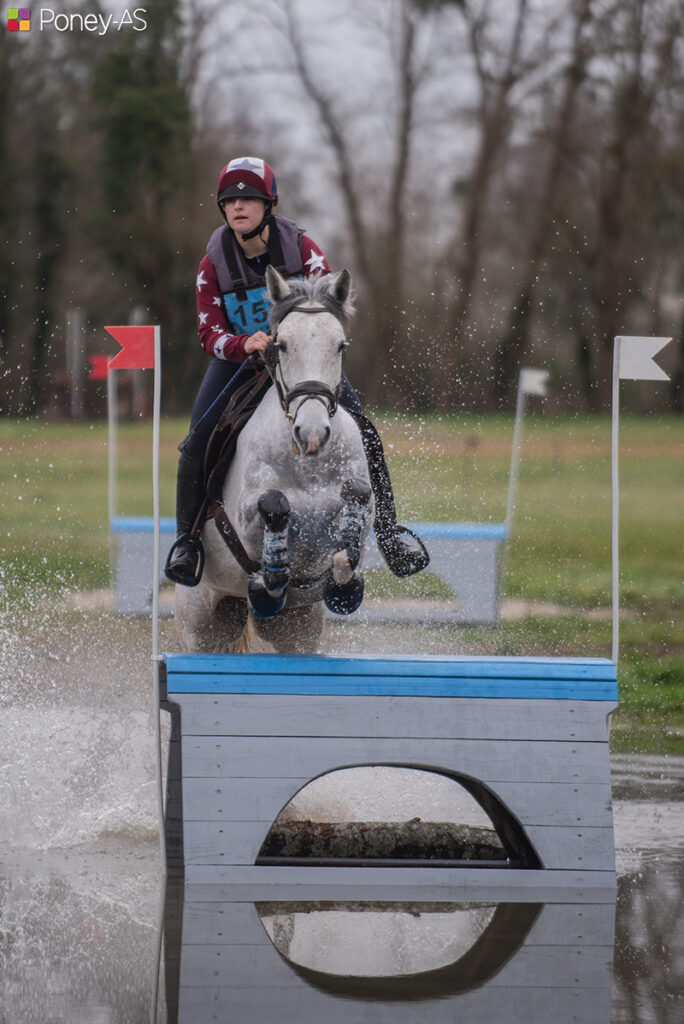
[530,382]
[615,501]
[515,456]
[156,416]
[632,360]
[112,418]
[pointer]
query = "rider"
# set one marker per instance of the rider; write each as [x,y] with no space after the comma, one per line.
[233,313]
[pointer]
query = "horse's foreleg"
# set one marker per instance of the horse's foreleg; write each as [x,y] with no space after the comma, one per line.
[355,497]
[344,591]
[268,589]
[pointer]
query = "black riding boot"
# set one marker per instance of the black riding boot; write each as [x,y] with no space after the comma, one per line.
[186,557]
[402,558]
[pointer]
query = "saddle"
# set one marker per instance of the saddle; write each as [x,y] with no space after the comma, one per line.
[221,444]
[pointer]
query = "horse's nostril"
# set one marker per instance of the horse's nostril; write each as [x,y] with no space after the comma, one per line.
[310,440]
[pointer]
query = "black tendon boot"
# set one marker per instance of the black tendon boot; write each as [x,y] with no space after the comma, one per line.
[186,557]
[404,559]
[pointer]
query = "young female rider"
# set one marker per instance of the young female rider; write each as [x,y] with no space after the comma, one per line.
[233,315]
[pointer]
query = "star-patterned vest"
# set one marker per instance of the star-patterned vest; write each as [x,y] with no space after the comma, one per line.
[244,295]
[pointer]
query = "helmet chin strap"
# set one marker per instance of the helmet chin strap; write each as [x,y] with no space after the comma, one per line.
[265,221]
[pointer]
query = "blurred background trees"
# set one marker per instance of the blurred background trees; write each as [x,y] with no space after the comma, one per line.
[504,178]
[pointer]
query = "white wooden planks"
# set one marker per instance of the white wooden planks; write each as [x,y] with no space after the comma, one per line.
[530,1004]
[249,883]
[238,842]
[274,756]
[452,717]
[216,924]
[538,803]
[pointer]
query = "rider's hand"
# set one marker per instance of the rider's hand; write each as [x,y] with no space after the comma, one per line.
[258,342]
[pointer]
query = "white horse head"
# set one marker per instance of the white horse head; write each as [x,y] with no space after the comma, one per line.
[306,359]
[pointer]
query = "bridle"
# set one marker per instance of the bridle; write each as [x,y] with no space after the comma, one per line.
[316,389]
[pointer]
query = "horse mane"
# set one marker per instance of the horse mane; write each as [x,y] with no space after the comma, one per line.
[315,289]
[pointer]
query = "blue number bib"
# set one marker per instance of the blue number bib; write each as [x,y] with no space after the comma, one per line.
[249,316]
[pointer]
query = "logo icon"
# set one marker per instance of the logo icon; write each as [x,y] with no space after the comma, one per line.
[18,19]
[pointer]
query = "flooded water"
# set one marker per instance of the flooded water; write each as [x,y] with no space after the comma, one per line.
[81,900]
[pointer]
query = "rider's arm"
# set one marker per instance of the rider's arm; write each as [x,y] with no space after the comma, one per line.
[312,257]
[215,334]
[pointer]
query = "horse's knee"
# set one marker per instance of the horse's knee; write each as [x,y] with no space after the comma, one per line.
[356,491]
[274,509]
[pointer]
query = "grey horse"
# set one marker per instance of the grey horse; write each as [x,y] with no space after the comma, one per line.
[297,492]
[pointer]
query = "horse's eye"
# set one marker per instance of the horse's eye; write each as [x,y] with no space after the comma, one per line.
[281,346]
[343,345]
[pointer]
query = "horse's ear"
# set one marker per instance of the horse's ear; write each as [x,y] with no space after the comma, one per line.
[340,286]
[278,288]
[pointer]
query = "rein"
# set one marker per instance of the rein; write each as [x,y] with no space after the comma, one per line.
[307,389]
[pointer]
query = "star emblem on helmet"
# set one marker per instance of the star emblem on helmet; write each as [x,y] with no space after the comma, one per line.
[247,163]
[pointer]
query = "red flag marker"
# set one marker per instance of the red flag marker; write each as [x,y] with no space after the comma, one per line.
[99,367]
[137,348]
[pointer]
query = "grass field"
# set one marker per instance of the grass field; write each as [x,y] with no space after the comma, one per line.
[54,534]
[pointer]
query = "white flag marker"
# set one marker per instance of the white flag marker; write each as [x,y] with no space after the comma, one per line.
[632,360]
[534,382]
[634,357]
[530,382]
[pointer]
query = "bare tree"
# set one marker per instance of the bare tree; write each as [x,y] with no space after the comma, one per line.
[375,213]
[514,342]
[622,212]
[497,74]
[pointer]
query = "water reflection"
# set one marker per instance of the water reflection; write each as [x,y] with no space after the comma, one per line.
[78,941]
[649,947]
[77,938]
[304,962]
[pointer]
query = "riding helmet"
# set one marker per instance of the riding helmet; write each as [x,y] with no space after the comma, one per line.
[247,176]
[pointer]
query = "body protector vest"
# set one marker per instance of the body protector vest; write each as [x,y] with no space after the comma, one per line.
[244,295]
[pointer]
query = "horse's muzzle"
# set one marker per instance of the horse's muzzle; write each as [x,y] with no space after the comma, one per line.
[310,440]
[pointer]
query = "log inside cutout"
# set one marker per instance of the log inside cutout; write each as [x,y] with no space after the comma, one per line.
[413,840]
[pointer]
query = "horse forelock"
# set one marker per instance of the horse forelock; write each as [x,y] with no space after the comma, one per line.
[314,290]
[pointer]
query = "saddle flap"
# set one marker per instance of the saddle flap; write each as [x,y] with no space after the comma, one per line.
[223,439]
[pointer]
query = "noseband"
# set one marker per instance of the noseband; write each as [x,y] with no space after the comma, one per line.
[317,389]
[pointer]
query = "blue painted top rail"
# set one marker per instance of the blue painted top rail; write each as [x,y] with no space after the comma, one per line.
[478,531]
[142,524]
[423,676]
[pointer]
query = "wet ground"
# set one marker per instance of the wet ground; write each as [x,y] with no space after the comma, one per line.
[81,900]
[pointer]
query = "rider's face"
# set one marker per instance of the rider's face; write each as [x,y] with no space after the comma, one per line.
[244,213]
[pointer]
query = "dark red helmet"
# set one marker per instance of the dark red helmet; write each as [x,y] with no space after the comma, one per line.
[247,176]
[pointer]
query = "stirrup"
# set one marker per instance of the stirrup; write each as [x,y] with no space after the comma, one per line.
[399,557]
[183,574]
